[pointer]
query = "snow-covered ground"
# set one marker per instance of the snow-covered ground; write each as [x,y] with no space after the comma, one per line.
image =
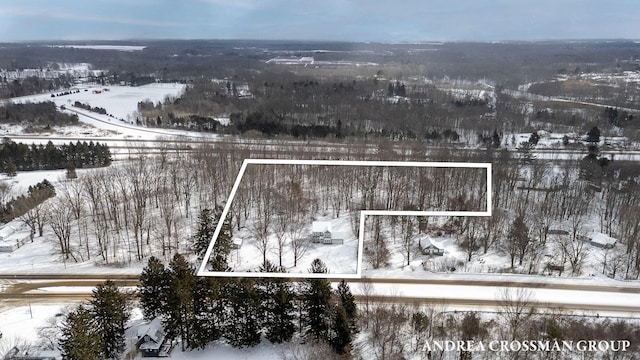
[24,325]
[339,258]
[121,104]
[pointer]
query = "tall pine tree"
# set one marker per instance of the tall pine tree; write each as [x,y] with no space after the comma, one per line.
[276,305]
[243,313]
[110,313]
[79,340]
[154,288]
[208,222]
[317,295]
[347,301]
[205,326]
[222,247]
[204,234]
[178,311]
[341,331]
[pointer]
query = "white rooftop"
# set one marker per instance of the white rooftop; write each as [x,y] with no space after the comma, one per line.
[602,239]
[321,226]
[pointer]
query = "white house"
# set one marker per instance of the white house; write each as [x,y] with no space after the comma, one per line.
[321,233]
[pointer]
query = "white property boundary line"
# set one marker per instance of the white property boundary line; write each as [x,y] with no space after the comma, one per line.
[202,271]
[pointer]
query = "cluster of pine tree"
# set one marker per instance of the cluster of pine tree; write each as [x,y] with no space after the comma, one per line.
[199,310]
[97,331]
[43,113]
[270,124]
[19,156]
[22,204]
[88,107]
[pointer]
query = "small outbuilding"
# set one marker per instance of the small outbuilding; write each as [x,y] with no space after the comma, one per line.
[236,243]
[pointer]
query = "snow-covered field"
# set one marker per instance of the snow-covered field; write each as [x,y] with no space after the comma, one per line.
[121,104]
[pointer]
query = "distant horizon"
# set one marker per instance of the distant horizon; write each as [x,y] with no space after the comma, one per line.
[90,41]
[405,21]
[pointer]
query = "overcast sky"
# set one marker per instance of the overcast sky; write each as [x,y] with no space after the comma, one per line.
[345,20]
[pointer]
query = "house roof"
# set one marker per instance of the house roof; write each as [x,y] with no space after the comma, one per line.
[321,226]
[33,352]
[426,242]
[11,227]
[154,331]
[602,239]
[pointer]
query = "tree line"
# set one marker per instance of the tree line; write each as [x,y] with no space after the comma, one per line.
[22,157]
[42,113]
[200,310]
[33,85]
[25,206]
[95,109]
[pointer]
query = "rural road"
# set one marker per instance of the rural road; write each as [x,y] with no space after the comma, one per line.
[464,292]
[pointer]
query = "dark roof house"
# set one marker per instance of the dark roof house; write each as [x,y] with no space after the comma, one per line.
[152,340]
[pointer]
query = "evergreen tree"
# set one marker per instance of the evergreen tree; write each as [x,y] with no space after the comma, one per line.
[110,313]
[317,295]
[204,235]
[11,168]
[534,138]
[222,247]
[347,301]
[178,311]
[390,90]
[71,171]
[204,327]
[496,139]
[276,305]
[243,313]
[154,288]
[593,136]
[79,340]
[341,331]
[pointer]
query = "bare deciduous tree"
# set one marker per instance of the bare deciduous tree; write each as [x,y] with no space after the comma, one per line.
[299,243]
[517,306]
[59,218]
